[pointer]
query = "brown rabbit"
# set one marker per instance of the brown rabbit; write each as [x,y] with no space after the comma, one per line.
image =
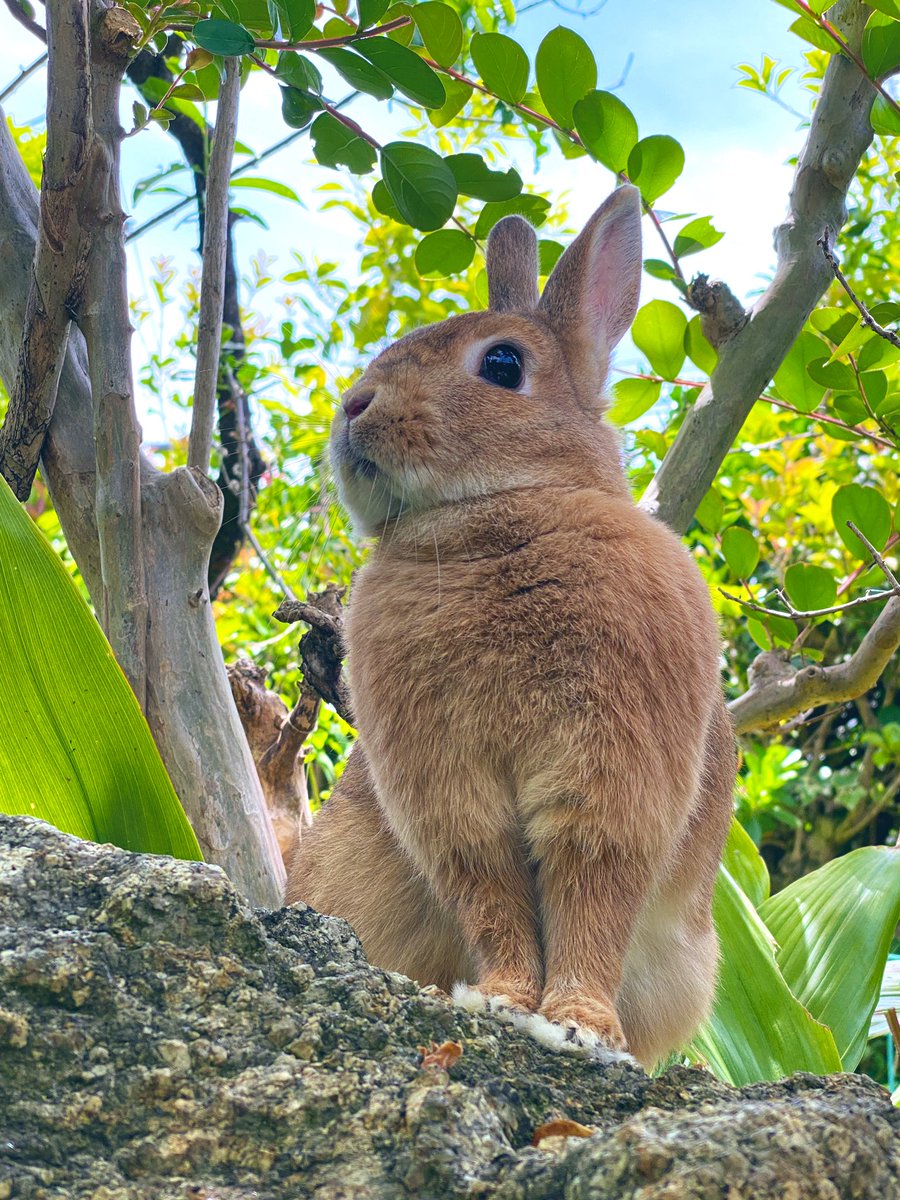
[542,788]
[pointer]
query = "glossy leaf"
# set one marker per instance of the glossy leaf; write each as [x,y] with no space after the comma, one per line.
[885,118]
[809,586]
[446,252]
[565,71]
[410,74]
[792,378]
[457,97]
[654,164]
[370,11]
[607,127]
[658,332]
[740,549]
[697,235]
[93,769]
[535,208]
[296,70]
[745,864]
[420,183]
[834,929]
[294,18]
[474,178]
[881,44]
[549,254]
[255,183]
[502,65]
[223,37]
[441,31]
[869,512]
[335,145]
[632,398]
[358,72]
[298,108]
[698,349]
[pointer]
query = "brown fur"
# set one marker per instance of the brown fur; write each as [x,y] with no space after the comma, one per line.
[545,785]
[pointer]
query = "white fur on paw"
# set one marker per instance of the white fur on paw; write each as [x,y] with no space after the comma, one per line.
[469,998]
[475,1001]
[572,1039]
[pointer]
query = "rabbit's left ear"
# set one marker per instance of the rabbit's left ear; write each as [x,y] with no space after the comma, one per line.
[512,266]
[593,289]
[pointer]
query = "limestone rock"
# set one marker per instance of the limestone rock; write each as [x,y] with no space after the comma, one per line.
[159,1040]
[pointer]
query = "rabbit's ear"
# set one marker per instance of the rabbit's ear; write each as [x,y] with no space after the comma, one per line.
[512,266]
[594,288]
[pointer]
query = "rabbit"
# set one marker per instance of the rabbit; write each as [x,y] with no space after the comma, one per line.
[535,810]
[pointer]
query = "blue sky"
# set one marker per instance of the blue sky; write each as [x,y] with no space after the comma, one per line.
[682,81]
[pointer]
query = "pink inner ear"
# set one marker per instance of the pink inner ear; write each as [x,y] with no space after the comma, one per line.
[612,277]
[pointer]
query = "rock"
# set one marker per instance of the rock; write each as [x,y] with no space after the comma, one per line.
[158,1039]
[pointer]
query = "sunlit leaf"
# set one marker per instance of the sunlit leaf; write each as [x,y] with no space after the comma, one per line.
[420,183]
[697,235]
[223,37]
[565,71]
[658,332]
[792,378]
[632,398]
[810,586]
[474,178]
[335,145]
[607,127]
[446,252]
[867,508]
[409,73]
[881,44]
[654,164]
[441,31]
[740,549]
[502,65]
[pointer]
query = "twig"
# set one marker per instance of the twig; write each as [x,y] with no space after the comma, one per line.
[888,573]
[795,614]
[215,238]
[18,13]
[269,567]
[328,43]
[866,317]
[24,74]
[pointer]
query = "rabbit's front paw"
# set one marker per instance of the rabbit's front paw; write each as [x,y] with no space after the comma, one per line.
[507,999]
[580,1024]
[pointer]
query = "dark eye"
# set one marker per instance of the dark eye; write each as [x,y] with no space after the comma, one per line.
[502,365]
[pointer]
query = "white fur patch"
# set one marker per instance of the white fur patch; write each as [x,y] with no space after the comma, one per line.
[572,1039]
[469,998]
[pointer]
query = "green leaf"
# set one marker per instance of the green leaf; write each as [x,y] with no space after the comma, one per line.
[607,127]
[792,379]
[474,178]
[654,164]
[383,202]
[297,71]
[758,1029]
[814,34]
[633,397]
[745,864]
[409,74]
[502,65]
[885,118]
[890,7]
[711,511]
[740,550]
[420,183]
[75,749]
[403,35]
[810,587]
[565,71]
[549,254]
[298,108]
[698,349]
[881,44]
[358,72]
[867,508]
[759,633]
[266,185]
[370,11]
[697,235]
[831,374]
[334,145]
[295,18]
[223,37]
[441,31]
[535,208]
[658,332]
[446,252]
[457,97]
[834,929]
[660,269]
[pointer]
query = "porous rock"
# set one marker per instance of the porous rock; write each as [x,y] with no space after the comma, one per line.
[159,1039]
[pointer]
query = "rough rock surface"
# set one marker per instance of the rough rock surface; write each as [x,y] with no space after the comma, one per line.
[160,1040]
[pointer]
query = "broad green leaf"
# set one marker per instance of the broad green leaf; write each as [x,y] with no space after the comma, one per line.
[782,629]
[266,185]
[885,118]
[810,587]
[474,178]
[370,11]
[384,203]
[68,715]
[446,252]
[758,1029]
[792,379]
[549,254]
[745,864]
[297,71]
[697,235]
[403,35]
[881,44]
[502,65]
[710,511]
[834,929]
[298,108]
[409,73]
[535,208]
[660,269]
[855,336]
[740,550]
[698,349]
[759,633]
[335,145]
[654,164]
[890,7]
[457,97]
[867,508]
[441,31]
[565,71]
[607,127]
[358,72]
[814,34]
[658,332]
[223,37]
[831,374]
[835,323]
[633,397]
[420,183]
[295,17]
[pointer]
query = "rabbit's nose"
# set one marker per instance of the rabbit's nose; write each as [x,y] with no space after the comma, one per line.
[357,402]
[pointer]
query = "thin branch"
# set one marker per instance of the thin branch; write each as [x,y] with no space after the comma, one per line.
[212,287]
[25,73]
[867,319]
[855,822]
[328,43]
[795,614]
[885,569]
[18,13]
[61,252]
[268,566]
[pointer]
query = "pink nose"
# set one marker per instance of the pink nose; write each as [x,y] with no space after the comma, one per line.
[355,402]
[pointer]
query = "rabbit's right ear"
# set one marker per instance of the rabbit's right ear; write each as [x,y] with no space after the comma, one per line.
[512,266]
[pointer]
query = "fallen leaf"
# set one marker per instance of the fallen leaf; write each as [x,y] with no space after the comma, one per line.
[560,1128]
[443,1055]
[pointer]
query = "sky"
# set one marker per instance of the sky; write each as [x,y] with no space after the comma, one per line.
[682,80]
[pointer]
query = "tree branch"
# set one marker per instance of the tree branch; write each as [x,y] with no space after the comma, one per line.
[867,319]
[839,134]
[61,252]
[19,14]
[212,288]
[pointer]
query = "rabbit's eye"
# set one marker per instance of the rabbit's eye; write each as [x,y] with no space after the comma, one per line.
[502,365]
